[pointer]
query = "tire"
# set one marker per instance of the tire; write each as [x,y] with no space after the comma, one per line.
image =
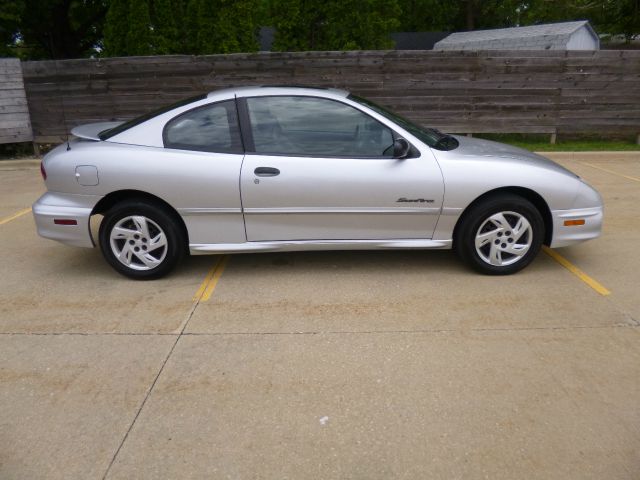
[141,240]
[500,235]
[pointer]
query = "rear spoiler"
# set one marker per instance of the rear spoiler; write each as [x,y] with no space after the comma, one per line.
[92,131]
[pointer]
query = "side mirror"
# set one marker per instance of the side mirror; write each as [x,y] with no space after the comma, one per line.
[401,148]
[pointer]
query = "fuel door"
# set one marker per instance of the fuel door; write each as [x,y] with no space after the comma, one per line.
[87,175]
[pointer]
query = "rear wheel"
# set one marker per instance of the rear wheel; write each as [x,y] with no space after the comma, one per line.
[500,235]
[141,240]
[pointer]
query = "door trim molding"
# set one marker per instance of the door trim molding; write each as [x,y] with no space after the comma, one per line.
[333,210]
[300,245]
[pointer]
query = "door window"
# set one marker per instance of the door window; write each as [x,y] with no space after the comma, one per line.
[310,126]
[210,128]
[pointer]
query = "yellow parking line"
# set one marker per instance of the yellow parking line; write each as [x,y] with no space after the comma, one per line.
[214,279]
[628,177]
[209,283]
[14,216]
[576,271]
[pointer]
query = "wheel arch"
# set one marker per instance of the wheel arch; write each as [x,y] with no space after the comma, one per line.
[113,198]
[526,193]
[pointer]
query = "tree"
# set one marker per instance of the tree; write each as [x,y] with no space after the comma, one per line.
[128,29]
[361,25]
[139,40]
[116,28]
[235,28]
[334,25]
[192,22]
[225,26]
[61,28]
[166,16]
[10,14]
[427,15]
[35,29]
[622,17]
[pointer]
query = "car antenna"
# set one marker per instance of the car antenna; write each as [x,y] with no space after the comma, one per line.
[64,113]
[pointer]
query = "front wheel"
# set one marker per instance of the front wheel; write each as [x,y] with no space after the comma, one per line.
[500,235]
[140,240]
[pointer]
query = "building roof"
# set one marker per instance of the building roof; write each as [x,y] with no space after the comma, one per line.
[417,40]
[550,36]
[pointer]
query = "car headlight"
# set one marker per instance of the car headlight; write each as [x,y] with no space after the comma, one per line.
[587,196]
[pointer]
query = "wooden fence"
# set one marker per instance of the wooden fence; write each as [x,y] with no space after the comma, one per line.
[464,92]
[14,113]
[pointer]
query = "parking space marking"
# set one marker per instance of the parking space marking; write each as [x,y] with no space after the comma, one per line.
[628,177]
[597,286]
[215,278]
[198,295]
[15,215]
[209,283]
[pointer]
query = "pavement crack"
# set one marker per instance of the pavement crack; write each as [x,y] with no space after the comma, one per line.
[631,322]
[433,330]
[179,333]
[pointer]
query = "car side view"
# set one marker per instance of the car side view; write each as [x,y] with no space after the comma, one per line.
[262,169]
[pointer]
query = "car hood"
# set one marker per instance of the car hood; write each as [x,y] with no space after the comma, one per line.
[481,149]
[91,131]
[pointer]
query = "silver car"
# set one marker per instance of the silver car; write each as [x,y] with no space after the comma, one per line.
[263,169]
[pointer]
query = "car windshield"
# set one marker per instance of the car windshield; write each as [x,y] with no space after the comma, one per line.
[432,137]
[104,135]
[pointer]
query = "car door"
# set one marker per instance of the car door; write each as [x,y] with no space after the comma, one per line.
[320,169]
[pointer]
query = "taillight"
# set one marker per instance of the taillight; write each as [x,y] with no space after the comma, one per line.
[43,172]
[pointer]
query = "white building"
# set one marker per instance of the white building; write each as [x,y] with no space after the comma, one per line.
[552,36]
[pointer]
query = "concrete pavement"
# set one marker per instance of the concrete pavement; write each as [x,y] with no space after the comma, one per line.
[325,364]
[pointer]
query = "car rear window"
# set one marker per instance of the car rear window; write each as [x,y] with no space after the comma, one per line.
[148,116]
[208,128]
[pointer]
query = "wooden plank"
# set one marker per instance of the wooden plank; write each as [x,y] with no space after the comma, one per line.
[10,66]
[477,91]
[15,125]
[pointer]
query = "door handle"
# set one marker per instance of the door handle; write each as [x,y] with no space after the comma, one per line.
[266,172]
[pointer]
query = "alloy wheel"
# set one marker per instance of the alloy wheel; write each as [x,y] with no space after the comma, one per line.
[504,238]
[138,242]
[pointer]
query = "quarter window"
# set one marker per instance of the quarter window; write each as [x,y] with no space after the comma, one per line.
[315,126]
[210,128]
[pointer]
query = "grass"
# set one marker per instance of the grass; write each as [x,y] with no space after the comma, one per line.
[540,143]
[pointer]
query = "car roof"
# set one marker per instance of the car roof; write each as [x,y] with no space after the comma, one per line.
[266,90]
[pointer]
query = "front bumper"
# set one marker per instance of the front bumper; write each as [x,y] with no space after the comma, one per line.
[569,235]
[53,206]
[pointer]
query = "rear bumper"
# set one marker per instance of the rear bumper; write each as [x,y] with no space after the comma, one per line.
[53,206]
[564,236]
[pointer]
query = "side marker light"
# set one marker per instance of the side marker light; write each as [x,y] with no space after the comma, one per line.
[573,223]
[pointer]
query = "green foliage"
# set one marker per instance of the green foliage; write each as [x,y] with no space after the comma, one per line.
[192,21]
[128,29]
[139,33]
[10,14]
[176,26]
[226,26]
[334,25]
[615,17]
[59,28]
[428,15]
[167,15]
[78,28]
[116,28]
[236,29]
[628,13]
